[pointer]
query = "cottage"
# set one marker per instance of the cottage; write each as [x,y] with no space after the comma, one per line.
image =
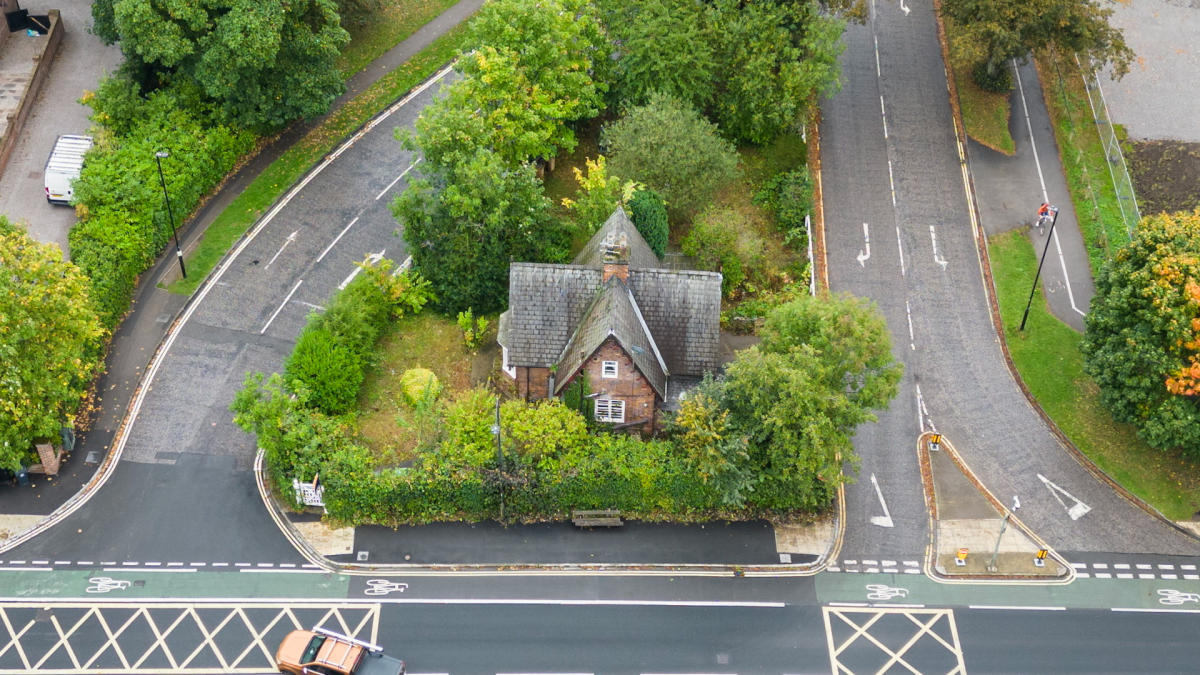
[642,334]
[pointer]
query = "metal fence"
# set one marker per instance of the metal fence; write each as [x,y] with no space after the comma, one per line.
[1118,170]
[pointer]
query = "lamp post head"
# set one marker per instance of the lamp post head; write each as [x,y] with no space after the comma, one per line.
[162,154]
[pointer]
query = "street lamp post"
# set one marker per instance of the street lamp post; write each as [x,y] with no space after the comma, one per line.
[991,566]
[158,158]
[1039,269]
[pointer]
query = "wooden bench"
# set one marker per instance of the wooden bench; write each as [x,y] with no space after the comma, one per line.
[600,518]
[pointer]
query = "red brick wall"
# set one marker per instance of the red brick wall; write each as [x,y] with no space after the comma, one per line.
[629,385]
[532,383]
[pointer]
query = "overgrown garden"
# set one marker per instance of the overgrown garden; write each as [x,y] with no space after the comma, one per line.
[770,437]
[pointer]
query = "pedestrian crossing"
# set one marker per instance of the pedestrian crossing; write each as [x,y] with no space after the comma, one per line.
[1136,570]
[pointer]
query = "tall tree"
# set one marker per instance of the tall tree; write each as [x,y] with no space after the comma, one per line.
[669,147]
[465,223]
[49,343]
[824,364]
[993,31]
[664,47]
[774,60]
[1142,341]
[265,63]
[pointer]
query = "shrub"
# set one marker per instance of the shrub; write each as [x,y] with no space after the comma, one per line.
[789,196]
[723,239]
[419,385]
[667,145]
[648,210]
[326,369]
[473,328]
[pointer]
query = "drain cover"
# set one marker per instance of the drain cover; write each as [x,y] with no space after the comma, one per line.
[361,556]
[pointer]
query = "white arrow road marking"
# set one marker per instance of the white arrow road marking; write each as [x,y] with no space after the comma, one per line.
[291,237]
[371,260]
[864,257]
[937,257]
[886,519]
[1077,510]
[904,7]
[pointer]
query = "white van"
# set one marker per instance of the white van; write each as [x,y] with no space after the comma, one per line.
[66,160]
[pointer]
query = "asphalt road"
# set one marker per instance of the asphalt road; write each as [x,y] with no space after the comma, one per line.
[924,273]
[183,487]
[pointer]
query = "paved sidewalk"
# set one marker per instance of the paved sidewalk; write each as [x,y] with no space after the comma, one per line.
[1009,190]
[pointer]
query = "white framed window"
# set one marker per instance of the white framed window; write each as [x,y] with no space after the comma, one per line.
[509,370]
[610,410]
[608,369]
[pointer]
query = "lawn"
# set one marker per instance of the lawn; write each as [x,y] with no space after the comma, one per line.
[1048,359]
[985,114]
[390,427]
[1082,153]
[374,32]
[233,222]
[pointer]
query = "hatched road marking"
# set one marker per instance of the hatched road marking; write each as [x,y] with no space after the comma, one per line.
[848,631]
[163,638]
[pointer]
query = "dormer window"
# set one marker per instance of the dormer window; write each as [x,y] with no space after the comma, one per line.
[608,369]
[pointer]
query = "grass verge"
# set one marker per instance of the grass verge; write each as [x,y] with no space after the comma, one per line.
[1079,147]
[373,33]
[285,171]
[1048,358]
[985,114]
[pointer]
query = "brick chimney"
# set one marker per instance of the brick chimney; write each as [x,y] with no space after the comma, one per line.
[615,253]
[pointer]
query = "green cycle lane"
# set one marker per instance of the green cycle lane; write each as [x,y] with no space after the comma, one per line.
[120,584]
[912,589]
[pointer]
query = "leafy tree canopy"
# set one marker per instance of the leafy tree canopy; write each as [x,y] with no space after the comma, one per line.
[49,343]
[1142,342]
[824,364]
[265,63]
[465,223]
[648,211]
[669,147]
[664,47]
[993,31]
[775,59]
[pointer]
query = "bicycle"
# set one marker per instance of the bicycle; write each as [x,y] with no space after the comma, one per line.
[1046,218]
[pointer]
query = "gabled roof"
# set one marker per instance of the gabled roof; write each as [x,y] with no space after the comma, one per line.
[613,313]
[681,309]
[640,253]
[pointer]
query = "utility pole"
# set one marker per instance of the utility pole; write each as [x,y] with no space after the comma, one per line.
[158,158]
[991,566]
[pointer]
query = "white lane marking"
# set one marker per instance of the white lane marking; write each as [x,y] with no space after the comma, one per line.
[1124,575]
[276,571]
[1103,575]
[905,8]
[397,180]
[848,604]
[569,602]
[1163,611]
[290,238]
[864,257]
[1082,575]
[878,72]
[336,239]
[886,519]
[1145,576]
[1076,510]
[1100,566]
[1031,608]
[937,256]
[892,183]
[1187,567]
[167,570]
[883,115]
[1166,566]
[923,412]
[870,562]
[29,569]
[1079,566]
[280,307]
[912,341]
[1062,262]
[1143,566]
[900,248]
[371,259]
[1121,566]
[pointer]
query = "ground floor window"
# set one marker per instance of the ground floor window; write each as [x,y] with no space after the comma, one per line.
[610,410]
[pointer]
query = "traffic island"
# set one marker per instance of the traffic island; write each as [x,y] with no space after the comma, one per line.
[976,536]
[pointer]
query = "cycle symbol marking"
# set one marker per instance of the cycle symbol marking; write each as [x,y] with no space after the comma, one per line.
[1170,596]
[383,587]
[106,584]
[885,592]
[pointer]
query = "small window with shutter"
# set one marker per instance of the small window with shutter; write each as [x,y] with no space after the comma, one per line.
[608,369]
[610,410]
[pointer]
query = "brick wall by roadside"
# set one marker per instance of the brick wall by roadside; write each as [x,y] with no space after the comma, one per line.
[41,68]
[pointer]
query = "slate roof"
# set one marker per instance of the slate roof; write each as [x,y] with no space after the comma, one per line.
[547,303]
[612,313]
[640,253]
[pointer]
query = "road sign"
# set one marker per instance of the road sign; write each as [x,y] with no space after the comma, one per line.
[961,558]
[1039,559]
[934,440]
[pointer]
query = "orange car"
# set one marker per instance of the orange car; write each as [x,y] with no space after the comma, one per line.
[324,652]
